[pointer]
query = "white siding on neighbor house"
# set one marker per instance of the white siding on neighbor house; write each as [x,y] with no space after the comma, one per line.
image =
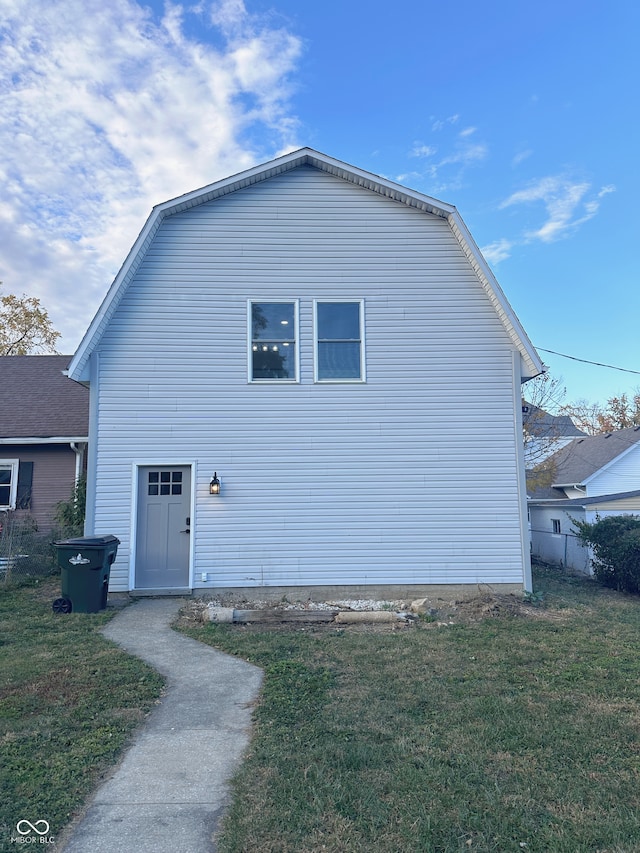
[410,477]
[565,549]
[622,475]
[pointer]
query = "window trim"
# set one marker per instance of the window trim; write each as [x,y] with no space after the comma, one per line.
[296,339]
[14,465]
[363,368]
[556,525]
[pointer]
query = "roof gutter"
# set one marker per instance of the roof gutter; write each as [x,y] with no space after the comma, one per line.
[42,439]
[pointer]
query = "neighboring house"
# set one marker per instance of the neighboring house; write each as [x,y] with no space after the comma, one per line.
[545,433]
[44,425]
[594,476]
[307,375]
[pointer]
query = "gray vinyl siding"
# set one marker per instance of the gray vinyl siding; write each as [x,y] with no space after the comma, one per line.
[410,477]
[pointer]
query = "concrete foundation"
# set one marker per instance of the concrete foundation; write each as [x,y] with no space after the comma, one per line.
[376,592]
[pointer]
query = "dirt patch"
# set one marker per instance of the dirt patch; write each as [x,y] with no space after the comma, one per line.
[277,616]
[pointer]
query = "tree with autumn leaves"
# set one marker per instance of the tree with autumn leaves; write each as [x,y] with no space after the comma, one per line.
[25,327]
[620,412]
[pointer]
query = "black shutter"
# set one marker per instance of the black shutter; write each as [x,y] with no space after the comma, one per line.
[25,479]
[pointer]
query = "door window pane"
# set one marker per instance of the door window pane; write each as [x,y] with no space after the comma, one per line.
[164,483]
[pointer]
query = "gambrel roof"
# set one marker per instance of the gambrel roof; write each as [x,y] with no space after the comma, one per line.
[530,361]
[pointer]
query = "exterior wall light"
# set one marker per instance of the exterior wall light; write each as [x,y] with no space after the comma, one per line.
[214,485]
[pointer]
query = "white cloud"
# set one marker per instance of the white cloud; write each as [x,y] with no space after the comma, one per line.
[106,111]
[521,156]
[440,123]
[463,153]
[568,205]
[497,251]
[420,150]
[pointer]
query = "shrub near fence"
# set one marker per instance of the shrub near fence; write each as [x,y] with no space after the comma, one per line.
[615,540]
[25,552]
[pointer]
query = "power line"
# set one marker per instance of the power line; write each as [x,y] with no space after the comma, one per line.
[586,361]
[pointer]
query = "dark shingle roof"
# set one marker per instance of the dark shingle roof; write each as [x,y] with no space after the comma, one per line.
[545,425]
[38,401]
[583,457]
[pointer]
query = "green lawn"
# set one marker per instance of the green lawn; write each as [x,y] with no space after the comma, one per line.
[512,732]
[68,702]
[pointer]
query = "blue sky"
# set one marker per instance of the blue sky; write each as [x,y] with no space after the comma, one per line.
[525,116]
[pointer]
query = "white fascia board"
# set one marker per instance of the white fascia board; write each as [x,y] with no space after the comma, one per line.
[78,370]
[531,361]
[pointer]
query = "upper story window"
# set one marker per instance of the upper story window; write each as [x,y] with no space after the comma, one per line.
[556,526]
[8,483]
[339,341]
[273,354]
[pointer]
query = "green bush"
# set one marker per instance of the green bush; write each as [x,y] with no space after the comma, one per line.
[70,514]
[616,550]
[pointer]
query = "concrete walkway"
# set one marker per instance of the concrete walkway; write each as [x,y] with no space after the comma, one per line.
[172,785]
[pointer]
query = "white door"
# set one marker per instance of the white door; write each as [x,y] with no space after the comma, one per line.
[163,527]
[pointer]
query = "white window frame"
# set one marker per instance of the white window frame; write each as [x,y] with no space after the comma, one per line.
[13,464]
[363,369]
[296,338]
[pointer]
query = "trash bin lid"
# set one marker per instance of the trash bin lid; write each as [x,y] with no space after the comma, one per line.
[90,541]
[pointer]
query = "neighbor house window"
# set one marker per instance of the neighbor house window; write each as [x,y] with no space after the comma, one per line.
[339,341]
[272,341]
[557,528]
[8,483]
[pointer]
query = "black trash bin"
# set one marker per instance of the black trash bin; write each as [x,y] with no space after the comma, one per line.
[86,564]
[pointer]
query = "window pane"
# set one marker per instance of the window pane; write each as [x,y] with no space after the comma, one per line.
[165,476]
[338,360]
[164,490]
[176,476]
[273,360]
[5,476]
[176,488]
[273,344]
[153,476]
[153,489]
[272,321]
[339,321]
[5,494]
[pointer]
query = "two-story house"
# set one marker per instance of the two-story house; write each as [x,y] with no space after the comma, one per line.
[307,375]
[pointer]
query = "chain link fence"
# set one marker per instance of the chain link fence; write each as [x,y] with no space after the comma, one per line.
[25,552]
[561,549]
